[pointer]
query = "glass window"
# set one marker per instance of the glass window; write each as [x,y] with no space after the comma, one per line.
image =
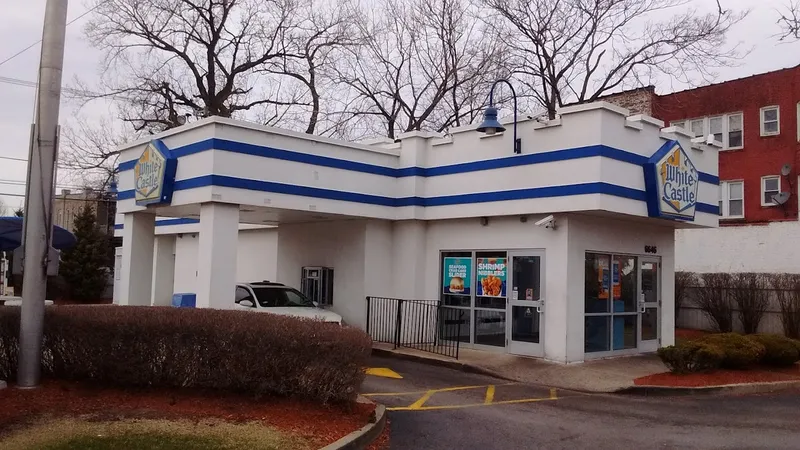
[769,187]
[715,127]
[624,284]
[736,199]
[625,335]
[770,121]
[490,328]
[696,127]
[269,297]
[295,298]
[680,124]
[241,294]
[491,273]
[597,283]
[454,324]
[597,330]
[735,131]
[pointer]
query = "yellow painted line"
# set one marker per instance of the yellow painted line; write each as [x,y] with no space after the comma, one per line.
[553,395]
[489,395]
[383,372]
[418,404]
[471,405]
[447,389]
[393,394]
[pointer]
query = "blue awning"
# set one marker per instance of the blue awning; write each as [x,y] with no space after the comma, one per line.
[11,235]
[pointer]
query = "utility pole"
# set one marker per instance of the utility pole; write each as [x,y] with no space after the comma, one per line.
[39,199]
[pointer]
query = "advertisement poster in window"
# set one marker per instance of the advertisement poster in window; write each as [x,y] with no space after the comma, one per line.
[491,277]
[603,278]
[616,287]
[457,276]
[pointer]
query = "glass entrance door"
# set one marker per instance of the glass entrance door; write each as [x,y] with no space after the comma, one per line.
[649,304]
[526,303]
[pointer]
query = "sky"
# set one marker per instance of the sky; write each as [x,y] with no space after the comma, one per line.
[21,26]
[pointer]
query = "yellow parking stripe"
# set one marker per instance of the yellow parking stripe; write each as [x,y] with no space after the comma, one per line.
[553,395]
[383,372]
[489,395]
[472,405]
[418,404]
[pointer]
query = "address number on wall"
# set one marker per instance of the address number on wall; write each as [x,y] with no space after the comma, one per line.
[650,249]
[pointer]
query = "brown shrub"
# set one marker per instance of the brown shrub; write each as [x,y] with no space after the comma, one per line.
[197,348]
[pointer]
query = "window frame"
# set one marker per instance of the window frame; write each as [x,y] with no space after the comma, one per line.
[686,124]
[724,211]
[777,120]
[764,189]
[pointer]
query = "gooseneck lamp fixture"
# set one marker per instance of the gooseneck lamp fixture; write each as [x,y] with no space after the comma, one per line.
[490,123]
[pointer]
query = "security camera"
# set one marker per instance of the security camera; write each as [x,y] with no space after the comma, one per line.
[710,139]
[547,222]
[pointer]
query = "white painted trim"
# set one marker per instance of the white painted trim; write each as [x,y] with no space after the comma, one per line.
[763,188]
[724,185]
[761,120]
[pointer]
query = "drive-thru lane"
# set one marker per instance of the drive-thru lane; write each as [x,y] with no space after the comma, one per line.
[438,408]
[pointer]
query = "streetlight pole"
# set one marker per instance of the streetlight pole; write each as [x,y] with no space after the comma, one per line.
[490,123]
[39,199]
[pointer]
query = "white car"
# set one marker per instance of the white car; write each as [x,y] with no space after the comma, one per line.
[276,298]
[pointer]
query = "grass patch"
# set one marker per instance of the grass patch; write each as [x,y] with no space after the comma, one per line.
[90,434]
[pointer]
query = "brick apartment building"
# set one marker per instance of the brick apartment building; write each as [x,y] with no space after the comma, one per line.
[755,119]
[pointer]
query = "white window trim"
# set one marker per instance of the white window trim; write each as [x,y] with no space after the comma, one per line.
[761,120]
[686,124]
[763,188]
[723,212]
[798,121]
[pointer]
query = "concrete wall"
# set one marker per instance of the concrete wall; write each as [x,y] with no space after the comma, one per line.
[767,248]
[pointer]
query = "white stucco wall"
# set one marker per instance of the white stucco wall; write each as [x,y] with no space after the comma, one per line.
[256,258]
[339,245]
[769,248]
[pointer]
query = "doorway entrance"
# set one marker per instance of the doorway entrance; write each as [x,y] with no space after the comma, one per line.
[649,304]
[525,330]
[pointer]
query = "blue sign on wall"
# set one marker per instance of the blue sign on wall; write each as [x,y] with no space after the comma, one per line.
[154,175]
[671,181]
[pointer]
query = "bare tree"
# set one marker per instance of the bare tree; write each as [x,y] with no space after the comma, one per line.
[569,51]
[789,21]
[88,150]
[167,59]
[422,65]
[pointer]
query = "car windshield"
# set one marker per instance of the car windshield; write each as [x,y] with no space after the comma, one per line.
[271,297]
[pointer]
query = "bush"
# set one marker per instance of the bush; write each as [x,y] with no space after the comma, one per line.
[691,356]
[750,294]
[787,290]
[780,350]
[195,348]
[713,298]
[740,351]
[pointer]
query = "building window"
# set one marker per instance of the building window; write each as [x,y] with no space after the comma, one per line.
[731,199]
[770,186]
[728,129]
[611,303]
[770,121]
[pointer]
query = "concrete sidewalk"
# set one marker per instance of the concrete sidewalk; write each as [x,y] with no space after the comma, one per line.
[605,375]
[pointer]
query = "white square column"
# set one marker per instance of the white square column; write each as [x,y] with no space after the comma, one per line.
[138,236]
[163,270]
[216,255]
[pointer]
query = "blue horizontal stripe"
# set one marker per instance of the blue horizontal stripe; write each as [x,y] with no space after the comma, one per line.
[708,209]
[460,199]
[167,222]
[474,166]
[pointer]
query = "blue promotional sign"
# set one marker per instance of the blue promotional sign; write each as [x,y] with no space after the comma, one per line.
[671,181]
[457,276]
[154,175]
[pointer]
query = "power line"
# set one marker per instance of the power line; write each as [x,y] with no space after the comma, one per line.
[39,41]
[14,159]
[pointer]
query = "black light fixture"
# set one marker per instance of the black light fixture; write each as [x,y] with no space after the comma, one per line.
[491,125]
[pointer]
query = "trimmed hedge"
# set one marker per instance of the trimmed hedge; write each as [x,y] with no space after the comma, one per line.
[195,348]
[780,350]
[740,351]
[692,356]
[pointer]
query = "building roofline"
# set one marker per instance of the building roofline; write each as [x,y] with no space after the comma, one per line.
[755,75]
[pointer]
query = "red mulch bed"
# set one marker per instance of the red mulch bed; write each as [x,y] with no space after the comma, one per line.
[721,377]
[320,424]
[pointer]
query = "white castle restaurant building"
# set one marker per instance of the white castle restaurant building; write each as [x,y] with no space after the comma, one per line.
[563,251]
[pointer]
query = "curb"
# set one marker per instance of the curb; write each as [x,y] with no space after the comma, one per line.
[455,365]
[360,439]
[745,388]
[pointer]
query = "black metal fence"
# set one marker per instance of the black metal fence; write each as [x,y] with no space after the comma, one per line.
[422,325]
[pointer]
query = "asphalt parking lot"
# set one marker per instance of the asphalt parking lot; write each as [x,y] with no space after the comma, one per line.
[438,408]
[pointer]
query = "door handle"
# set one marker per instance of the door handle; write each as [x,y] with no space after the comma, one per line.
[539,307]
